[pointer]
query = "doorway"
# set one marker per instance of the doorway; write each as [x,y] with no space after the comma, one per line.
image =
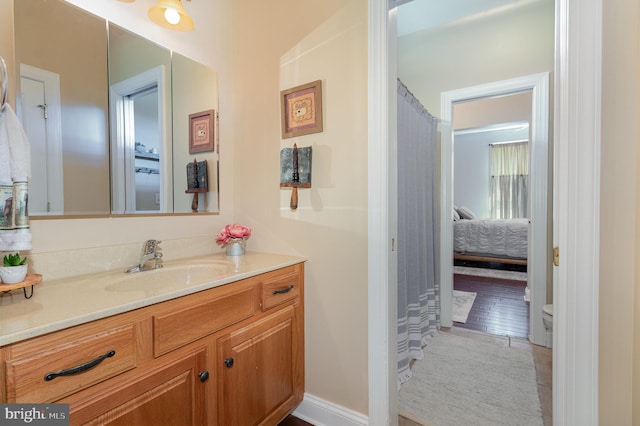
[577,90]
[537,270]
[537,87]
[490,179]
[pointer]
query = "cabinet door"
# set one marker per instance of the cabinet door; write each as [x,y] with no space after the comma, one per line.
[261,370]
[172,394]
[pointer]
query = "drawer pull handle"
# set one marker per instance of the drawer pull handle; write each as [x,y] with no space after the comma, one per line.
[283,290]
[80,368]
[228,362]
[203,375]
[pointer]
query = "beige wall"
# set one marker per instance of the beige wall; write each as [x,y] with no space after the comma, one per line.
[620,215]
[636,316]
[486,112]
[278,48]
[6,45]
[46,43]
[188,99]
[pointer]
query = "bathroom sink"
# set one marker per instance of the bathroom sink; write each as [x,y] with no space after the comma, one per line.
[171,276]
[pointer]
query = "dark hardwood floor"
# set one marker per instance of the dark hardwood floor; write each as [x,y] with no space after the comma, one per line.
[293,421]
[499,307]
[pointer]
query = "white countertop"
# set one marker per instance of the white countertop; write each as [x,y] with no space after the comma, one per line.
[59,304]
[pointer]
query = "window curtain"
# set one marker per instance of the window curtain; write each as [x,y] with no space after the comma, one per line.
[509,169]
[418,289]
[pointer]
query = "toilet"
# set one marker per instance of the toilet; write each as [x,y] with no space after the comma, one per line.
[547,319]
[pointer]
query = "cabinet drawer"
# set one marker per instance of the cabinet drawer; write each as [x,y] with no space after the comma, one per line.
[175,329]
[280,288]
[59,370]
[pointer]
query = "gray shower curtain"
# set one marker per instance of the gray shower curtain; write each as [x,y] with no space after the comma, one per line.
[418,289]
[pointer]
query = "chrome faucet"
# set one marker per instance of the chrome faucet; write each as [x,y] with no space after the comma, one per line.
[149,252]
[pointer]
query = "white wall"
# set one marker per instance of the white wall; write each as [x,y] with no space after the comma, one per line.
[471,173]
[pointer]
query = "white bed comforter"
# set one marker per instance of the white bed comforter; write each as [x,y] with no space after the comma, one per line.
[493,237]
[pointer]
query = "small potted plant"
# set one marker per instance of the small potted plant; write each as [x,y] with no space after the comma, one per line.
[13,269]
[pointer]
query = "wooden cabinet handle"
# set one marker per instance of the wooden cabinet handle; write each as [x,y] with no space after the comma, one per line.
[80,368]
[228,362]
[283,290]
[204,376]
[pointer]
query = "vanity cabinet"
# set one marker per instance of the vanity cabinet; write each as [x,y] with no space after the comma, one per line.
[230,355]
[168,394]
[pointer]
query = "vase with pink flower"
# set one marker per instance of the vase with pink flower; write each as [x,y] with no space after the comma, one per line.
[234,239]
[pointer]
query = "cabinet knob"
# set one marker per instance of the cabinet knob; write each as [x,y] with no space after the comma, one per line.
[204,376]
[228,362]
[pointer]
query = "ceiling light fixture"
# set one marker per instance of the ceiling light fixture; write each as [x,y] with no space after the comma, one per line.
[171,14]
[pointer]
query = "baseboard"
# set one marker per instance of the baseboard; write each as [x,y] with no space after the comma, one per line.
[324,413]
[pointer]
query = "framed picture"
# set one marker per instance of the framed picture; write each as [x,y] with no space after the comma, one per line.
[201,131]
[301,110]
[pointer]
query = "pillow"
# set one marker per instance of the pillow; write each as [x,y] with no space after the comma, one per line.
[456,216]
[465,213]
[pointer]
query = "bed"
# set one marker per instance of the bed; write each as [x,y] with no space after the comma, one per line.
[491,240]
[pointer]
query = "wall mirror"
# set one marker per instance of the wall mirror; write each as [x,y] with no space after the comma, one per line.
[107,114]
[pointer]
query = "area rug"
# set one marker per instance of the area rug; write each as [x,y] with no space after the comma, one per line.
[471,381]
[462,303]
[491,273]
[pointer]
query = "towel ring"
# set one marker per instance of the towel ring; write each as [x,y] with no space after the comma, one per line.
[3,80]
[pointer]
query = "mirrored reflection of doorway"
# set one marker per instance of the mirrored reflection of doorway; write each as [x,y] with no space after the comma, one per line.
[146,181]
[39,110]
[138,144]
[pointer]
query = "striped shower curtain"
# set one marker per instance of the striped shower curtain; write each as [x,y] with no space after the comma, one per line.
[418,289]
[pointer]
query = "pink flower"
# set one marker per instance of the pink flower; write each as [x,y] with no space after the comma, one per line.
[232,231]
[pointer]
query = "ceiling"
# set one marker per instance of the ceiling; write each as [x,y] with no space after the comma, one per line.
[418,15]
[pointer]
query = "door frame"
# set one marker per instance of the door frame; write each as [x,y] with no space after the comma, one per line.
[577,101]
[538,241]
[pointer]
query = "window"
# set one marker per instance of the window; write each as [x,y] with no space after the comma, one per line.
[509,170]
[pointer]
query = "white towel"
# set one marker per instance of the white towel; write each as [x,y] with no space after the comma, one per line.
[5,153]
[19,146]
[15,171]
